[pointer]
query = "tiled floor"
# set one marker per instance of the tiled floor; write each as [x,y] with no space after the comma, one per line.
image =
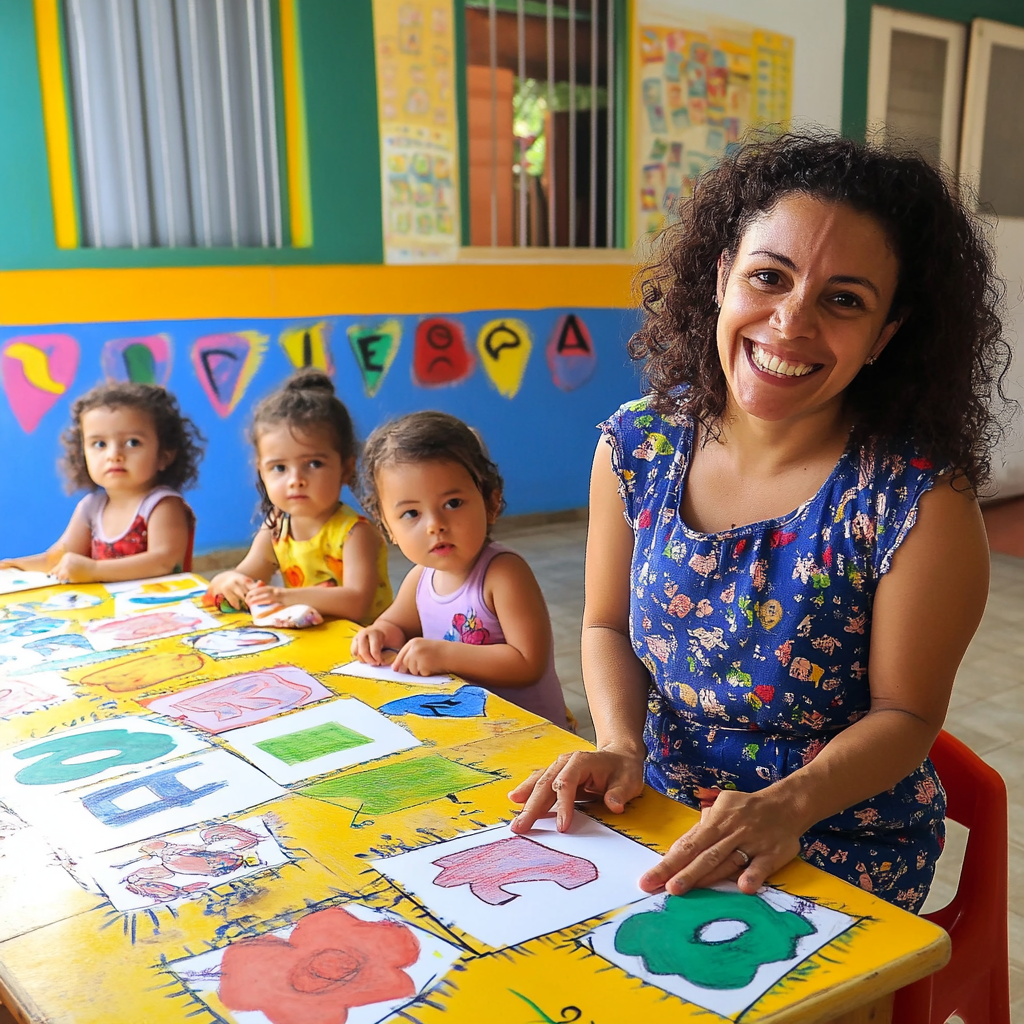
[986,711]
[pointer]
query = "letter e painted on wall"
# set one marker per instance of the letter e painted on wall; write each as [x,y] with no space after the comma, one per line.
[37,370]
[571,356]
[375,348]
[440,355]
[504,347]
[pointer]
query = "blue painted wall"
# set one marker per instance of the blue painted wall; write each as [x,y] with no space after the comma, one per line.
[542,439]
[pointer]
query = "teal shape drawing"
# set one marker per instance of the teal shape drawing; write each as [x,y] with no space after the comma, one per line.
[394,787]
[675,940]
[59,757]
[309,744]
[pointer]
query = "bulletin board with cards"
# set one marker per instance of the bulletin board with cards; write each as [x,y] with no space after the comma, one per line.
[698,82]
[208,821]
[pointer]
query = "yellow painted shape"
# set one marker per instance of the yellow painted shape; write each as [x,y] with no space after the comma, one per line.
[296,145]
[32,297]
[294,342]
[35,367]
[504,347]
[56,123]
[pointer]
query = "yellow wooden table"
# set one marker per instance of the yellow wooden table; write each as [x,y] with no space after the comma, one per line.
[184,947]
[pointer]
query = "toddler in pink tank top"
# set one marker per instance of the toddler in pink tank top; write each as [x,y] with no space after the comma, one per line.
[469,606]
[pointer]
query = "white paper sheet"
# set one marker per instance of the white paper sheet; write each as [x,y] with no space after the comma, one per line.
[357,668]
[237,642]
[70,601]
[202,973]
[245,699]
[729,1002]
[180,866]
[358,733]
[147,597]
[53,651]
[155,624]
[12,581]
[578,874]
[168,796]
[20,695]
[59,761]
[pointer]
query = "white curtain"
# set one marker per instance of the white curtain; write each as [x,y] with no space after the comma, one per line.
[174,122]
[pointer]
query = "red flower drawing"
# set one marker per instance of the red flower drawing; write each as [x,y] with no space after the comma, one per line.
[331,961]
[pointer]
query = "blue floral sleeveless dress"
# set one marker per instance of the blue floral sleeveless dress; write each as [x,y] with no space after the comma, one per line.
[757,642]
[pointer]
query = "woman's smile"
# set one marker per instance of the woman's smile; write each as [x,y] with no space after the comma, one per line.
[773,366]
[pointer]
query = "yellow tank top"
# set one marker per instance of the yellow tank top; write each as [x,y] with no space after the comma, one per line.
[317,562]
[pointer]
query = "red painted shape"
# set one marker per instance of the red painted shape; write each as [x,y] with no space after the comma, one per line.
[331,961]
[440,355]
[488,869]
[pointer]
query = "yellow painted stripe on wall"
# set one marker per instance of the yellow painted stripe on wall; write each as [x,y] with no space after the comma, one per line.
[55,118]
[194,293]
[296,148]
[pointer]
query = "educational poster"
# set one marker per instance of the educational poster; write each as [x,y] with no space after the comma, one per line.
[717,948]
[699,82]
[504,888]
[419,145]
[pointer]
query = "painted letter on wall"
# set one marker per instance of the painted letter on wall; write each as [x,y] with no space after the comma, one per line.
[440,355]
[504,347]
[225,364]
[139,360]
[37,369]
[375,349]
[571,356]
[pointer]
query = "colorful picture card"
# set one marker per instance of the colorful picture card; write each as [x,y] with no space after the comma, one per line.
[154,624]
[241,700]
[505,889]
[318,740]
[383,672]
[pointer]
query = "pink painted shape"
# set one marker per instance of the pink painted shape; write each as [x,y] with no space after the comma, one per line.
[488,869]
[18,695]
[28,402]
[112,362]
[220,362]
[243,699]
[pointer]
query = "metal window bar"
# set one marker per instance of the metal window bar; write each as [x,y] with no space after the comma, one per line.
[572,123]
[174,110]
[593,124]
[521,44]
[492,43]
[549,140]
[610,131]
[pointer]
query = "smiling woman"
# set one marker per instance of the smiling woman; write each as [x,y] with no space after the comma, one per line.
[786,558]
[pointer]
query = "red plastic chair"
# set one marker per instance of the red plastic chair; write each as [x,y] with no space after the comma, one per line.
[975,984]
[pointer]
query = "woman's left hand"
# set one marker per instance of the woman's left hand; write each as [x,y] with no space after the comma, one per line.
[73,568]
[745,836]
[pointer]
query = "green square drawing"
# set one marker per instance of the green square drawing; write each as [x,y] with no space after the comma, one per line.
[309,744]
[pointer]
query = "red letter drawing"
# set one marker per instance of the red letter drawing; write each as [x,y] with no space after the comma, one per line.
[488,869]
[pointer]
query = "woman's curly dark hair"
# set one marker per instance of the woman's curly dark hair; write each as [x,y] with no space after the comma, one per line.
[428,437]
[306,400]
[175,433]
[935,383]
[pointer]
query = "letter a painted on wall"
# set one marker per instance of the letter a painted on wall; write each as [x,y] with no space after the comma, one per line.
[504,347]
[37,369]
[571,356]
[139,360]
[225,364]
[309,346]
[440,355]
[375,349]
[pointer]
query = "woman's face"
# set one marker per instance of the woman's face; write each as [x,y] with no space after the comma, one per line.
[804,305]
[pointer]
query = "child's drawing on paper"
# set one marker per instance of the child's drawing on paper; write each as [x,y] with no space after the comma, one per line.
[172,620]
[180,866]
[346,964]
[718,948]
[70,601]
[243,699]
[12,581]
[160,593]
[504,893]
[19,696]
[237,642]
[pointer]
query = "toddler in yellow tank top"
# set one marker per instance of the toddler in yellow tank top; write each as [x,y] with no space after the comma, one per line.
[330,557]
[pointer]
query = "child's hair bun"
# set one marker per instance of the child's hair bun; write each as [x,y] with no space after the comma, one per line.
[309,379]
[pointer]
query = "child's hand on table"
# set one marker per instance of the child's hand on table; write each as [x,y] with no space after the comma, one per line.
[422,657]
[260,593]
[74,568]
[232,586]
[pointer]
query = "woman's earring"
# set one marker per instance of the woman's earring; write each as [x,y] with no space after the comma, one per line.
[871,360]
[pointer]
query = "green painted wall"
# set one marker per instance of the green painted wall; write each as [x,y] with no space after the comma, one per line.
[858,39]
[344,151]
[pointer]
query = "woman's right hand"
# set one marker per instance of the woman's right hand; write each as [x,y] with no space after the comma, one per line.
[232,586]
[582,775]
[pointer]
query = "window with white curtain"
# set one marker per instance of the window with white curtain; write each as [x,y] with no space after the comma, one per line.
[175,127]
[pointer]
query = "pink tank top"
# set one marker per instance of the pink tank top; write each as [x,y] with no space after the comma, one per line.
[463,617]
